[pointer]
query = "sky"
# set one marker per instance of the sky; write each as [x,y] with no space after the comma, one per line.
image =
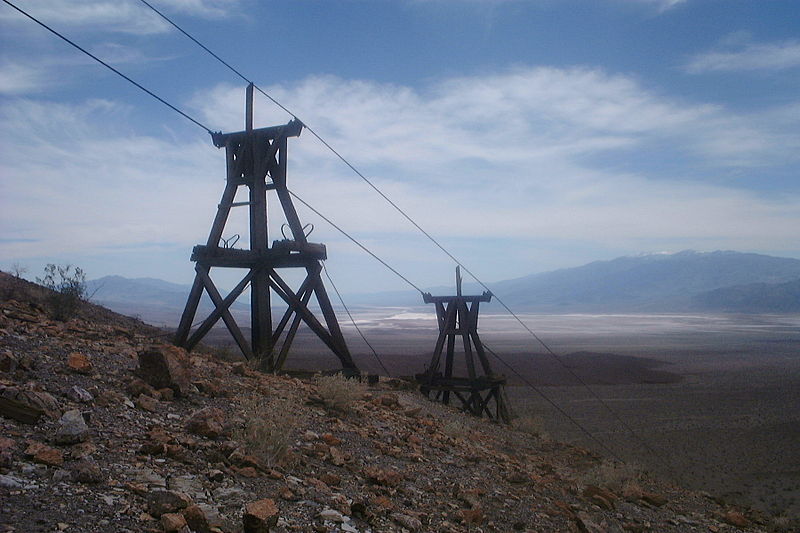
[524,135]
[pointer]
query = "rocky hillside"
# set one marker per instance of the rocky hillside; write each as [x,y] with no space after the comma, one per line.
[103,427]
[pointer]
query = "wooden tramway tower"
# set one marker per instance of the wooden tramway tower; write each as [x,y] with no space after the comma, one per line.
[457,316]
[257,159]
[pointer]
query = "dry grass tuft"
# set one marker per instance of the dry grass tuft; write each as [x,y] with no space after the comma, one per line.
[620,478]
[339,393]
[530,424]
[456,429]
[268,429]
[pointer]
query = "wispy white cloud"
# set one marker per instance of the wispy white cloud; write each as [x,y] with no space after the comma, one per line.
[662,5]
[747,56]
[126,16]
[21,78]
[476,160]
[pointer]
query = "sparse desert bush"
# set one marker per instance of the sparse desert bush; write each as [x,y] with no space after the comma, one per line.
[338,392]
[530,424]
[268,428]
[456,429]
[619,477]
[67,290]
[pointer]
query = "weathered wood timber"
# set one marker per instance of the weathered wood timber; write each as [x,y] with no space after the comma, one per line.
[257,159]
[457,316]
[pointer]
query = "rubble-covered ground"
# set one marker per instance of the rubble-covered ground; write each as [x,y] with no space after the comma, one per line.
[105,427]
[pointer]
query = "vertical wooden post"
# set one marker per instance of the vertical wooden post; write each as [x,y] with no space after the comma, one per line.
[261,313]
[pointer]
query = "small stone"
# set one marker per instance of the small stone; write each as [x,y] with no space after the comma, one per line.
[602,497]
[518,478]
[408,522]
[215,475]
[388,477]
[78,394]
[389,400]
[196,519]
[259,516]
[172,522]
[166,394]
[472,516]
[10,482]
[653,499]
[166,501]
[208,422]
[331,440]
[587,525]
[79,363]
[332,480]
[72,428]
[87,472]
[735,518]
[147,403]
[332,516]
[8,362]
[137,387]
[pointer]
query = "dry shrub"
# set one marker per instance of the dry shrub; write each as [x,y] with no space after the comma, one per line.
[456,429]
[268,428]
[338,393]
[530,424]
[618,477]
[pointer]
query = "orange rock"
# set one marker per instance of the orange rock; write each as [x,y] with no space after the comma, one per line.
[331,440]
[44,454]
[331,480]
[247,471]
[735,518]
[602,497]
[80,363]
[172,522]
[653,499]
[472,516]
[259,516]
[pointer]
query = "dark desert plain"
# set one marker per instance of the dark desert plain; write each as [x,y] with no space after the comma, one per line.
[716,396]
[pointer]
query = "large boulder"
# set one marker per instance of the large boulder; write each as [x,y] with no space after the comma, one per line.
[165,366]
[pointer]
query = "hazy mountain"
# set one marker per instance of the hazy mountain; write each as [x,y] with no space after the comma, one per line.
[753,298]
[658,282]
[154,300]
[714,281]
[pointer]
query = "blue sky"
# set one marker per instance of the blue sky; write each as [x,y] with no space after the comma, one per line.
[526,135]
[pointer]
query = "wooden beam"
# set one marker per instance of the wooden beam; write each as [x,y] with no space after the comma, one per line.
[226,315]
[189,311]
[215,315]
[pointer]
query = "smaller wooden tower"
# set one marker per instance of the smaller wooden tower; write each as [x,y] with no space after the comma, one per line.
[458,317]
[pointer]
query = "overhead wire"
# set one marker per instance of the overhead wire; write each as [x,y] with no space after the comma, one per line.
[352,320]
[355,241]
[386,198]
[77,46]
[552,403]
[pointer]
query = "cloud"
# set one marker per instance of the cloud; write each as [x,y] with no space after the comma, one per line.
[662,5]
[493,166]
[748,56]
[125,16]
[19,78]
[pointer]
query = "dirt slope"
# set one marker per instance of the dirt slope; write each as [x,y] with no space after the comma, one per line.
[88,444]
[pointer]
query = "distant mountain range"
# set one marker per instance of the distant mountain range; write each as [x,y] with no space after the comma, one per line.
[153,300]
[657,282]
[685,281]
